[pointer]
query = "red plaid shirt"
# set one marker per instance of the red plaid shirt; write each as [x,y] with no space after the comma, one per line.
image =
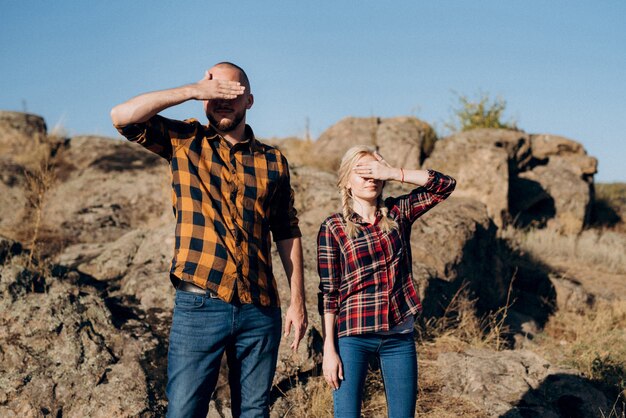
[367,281]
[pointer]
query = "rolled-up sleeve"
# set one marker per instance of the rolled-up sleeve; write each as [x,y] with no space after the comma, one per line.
[329,269]
[283,214]
[421,199]
[157,133]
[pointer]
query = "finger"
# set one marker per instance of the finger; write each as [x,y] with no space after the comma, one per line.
[296,338]
[229,83]
[287,326]
[340,373]
[378,156]
[335,381]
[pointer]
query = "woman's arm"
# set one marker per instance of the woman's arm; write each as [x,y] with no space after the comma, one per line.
[434,187]
[381,170]
[331,364]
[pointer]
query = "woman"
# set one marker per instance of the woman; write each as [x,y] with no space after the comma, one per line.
[368,297]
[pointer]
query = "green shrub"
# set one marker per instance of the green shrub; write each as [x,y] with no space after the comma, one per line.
[482,112]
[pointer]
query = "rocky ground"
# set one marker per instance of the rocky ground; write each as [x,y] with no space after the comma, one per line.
[87,235]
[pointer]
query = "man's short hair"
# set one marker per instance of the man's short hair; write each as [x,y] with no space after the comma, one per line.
[246,81]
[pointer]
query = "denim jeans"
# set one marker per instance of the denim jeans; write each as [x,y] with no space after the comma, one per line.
[398,364]
[203,328]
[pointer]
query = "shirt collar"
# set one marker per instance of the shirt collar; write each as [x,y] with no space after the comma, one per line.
[250,143]
[356,218]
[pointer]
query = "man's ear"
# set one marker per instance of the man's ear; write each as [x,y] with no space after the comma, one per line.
[250,101]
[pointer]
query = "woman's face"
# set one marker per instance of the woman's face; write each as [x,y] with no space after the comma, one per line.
[364,188]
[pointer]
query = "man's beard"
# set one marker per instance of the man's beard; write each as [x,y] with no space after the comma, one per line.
[227,125]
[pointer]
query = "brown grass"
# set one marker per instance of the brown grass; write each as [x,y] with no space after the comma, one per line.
[459,329]
[593,342]
[603,249]
[38,181]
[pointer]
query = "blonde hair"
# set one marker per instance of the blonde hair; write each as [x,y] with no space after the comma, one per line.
[348,162]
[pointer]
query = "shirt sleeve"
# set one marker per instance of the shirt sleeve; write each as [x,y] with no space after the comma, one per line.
[329,269]
[421,199]
[283,214]
[158,133]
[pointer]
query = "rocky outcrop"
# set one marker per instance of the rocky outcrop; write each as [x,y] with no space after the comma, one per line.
[456,245]
[519,384]
[61,355]
[479,161]
[403,141]
[106,188]
[564,174]
[88,337]
[22,136]
[525,179]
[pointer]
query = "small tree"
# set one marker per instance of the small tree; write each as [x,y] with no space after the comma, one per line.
[480,113]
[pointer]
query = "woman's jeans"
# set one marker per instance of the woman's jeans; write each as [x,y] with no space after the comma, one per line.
[203,328]
[398,364]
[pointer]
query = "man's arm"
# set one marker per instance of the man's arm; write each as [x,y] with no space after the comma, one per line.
[143,107]
[290,251]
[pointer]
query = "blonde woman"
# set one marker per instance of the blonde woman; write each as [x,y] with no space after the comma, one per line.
[368,297]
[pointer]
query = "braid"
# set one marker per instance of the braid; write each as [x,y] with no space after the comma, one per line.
[386,223]
[346,209]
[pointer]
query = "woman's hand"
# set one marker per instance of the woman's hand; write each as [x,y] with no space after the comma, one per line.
[332,368]
[378,170]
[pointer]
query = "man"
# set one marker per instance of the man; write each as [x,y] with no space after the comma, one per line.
[229,192]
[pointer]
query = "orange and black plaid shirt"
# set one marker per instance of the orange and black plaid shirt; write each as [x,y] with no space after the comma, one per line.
[227,199]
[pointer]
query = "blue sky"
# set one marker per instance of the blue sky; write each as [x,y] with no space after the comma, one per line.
[560,65]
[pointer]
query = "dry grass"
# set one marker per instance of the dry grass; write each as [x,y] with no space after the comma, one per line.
[313,400]
[38,182]
[460,326]
[594,342]
[612,193]
[603,249]
[609,208]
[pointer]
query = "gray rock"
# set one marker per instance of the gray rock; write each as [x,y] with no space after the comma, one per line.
[61,355]
[518,383]
[403,141]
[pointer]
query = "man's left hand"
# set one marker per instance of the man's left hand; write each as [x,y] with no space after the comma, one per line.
[296,317]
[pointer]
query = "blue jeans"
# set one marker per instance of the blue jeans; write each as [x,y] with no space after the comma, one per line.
[398,364]
[203,328]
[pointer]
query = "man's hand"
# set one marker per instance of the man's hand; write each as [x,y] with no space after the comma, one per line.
[209,88]
[297,317]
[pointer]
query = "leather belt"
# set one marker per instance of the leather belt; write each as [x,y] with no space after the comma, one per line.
[192,288]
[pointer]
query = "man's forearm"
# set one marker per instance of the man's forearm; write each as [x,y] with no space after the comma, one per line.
[143,107]
[290,251]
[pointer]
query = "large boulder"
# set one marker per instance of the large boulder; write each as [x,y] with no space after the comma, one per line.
[479,160]
[61,354]
[403,141]
[527,179]
[517,384]
[23,138]
[106,188]
[453,245]
[557,189]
